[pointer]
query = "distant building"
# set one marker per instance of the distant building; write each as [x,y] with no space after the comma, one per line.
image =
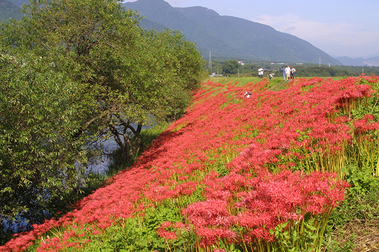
[215,75]
[241,63]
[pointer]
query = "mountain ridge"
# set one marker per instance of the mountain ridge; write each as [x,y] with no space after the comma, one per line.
[214,33]
[361,61]
[230,37]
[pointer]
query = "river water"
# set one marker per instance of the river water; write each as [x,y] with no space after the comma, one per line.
[100,164]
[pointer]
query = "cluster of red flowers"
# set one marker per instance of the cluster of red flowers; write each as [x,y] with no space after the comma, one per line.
[365,124]
[258,204]
[243,136]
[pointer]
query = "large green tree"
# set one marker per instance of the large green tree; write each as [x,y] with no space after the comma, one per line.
[41,161]
[230,67]
[73,71]
[165,71]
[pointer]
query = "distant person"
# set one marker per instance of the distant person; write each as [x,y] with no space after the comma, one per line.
[270,76]
[293,70]
[260,72]
[287,70]
[284,72]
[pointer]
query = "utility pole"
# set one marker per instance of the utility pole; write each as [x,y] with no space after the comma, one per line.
[210,60]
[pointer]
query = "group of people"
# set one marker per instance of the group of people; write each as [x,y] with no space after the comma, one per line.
[260,72]
[288,72]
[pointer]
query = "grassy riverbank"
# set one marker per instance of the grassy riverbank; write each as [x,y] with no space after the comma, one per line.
[291,168]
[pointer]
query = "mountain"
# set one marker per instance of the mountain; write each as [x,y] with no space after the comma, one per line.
[230,37]
[9,10]
[372,61]
[160,12]
[225,36]
[19,3]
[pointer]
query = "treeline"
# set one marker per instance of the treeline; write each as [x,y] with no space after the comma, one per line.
[305,70]
[75,72]
[334,71]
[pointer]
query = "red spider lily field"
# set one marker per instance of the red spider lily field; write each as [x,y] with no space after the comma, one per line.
[263,173]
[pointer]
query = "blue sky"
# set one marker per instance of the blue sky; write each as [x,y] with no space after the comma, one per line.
[338,27]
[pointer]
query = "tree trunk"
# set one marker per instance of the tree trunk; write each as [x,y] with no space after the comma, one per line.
[128,140]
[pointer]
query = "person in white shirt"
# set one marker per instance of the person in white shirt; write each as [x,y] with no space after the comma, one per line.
[260,72]
[288,72]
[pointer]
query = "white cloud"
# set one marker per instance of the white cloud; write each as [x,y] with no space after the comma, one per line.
[341,38]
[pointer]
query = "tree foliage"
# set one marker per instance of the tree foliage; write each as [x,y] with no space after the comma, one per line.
[40,159]
[72,72]
[304,70]
[230,67]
